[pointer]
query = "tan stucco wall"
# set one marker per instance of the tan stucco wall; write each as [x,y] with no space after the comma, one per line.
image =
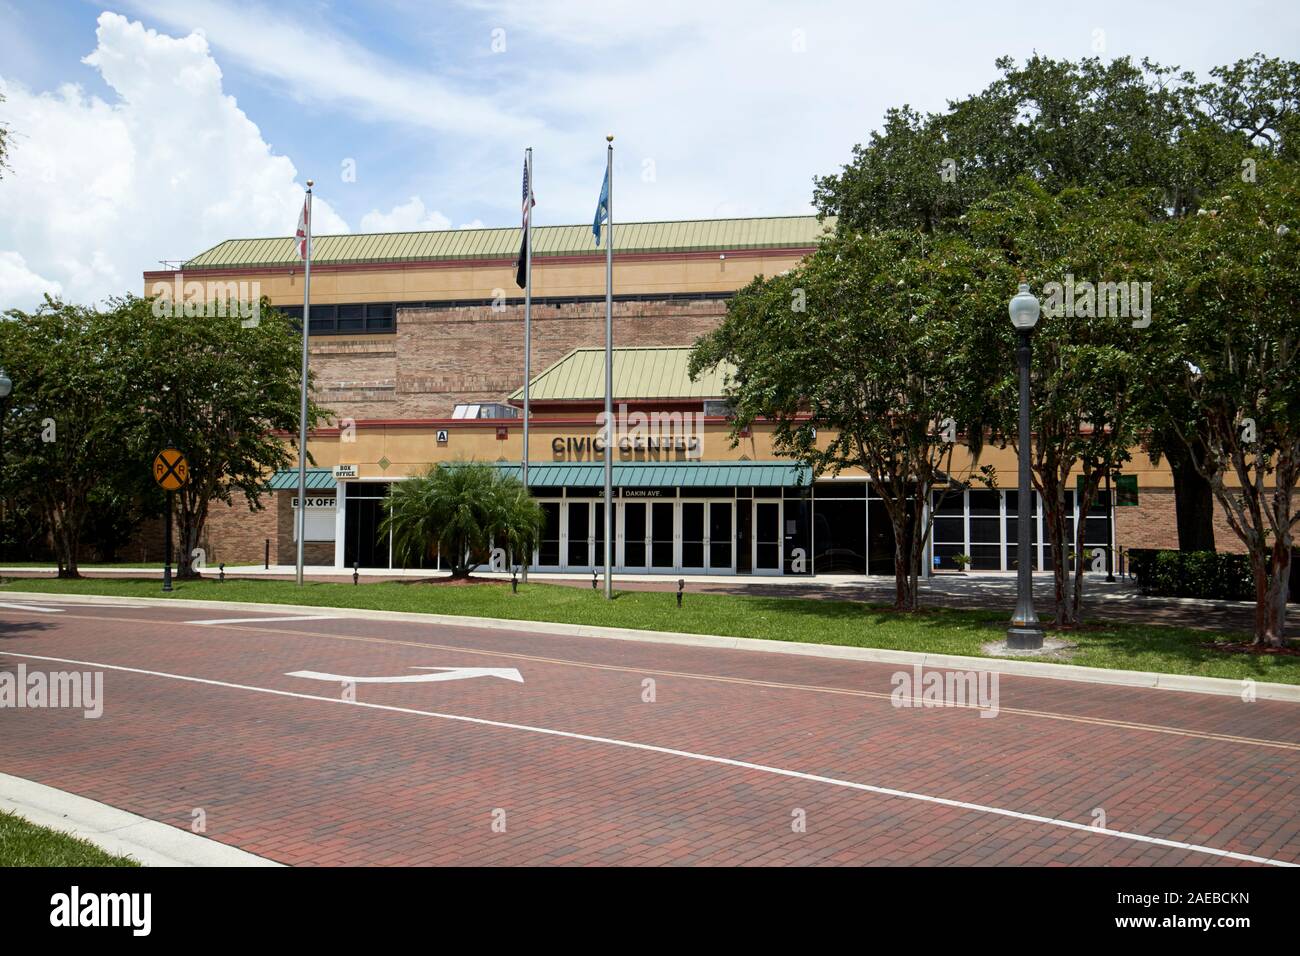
[633,275]
[410,449]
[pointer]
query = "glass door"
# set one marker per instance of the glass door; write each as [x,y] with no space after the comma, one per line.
[692,533]
[548,549]
[581,535]
[635,532]
[767,537]
[720,540]
[598,535]
[661,536]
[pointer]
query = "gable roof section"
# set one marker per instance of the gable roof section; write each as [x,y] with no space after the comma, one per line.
[696,235]
[649,372]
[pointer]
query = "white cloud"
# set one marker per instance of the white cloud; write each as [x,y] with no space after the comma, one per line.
[100,191]
[409,216]
[328,67]
[20,287]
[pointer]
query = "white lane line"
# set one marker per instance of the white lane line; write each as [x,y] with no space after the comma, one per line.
[65,605]
[264,620]
[33,607]
[689,755]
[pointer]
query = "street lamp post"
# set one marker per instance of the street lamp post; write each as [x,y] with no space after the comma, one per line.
[1025,632]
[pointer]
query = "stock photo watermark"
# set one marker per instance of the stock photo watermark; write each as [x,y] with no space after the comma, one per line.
[925,689]
[194,300]
[1101,300]
[53,690]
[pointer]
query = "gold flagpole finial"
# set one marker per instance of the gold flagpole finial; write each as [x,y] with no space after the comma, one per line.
[311,183]
[609,137]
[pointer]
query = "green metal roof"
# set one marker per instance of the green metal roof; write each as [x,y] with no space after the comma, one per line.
[318,479]
[685,474]
[657,371]
[776,232]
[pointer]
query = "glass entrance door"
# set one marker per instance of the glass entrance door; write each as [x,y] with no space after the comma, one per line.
[661,536]
[581,535]
[707,531]
[548,549]
[692,534]
[721,535]
[636,529]
[767,537]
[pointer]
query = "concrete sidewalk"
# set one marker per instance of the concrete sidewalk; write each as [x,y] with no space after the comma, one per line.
[117,831]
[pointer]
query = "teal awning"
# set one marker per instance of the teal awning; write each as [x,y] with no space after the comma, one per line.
[684,474]
[318,479]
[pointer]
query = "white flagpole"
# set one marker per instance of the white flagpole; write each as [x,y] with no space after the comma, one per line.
[301,512]
[609,371]
[528,323]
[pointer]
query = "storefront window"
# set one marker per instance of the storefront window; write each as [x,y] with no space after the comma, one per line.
[839,536]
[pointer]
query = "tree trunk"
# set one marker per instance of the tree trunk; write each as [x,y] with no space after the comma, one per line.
[1193,501]
[1053,501]
[904,592]
[1273,606]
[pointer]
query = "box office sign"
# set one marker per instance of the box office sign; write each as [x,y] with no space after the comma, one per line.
[317,502]
[345,471]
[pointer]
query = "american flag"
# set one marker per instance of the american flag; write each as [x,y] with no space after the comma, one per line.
[529,201]
[521,268]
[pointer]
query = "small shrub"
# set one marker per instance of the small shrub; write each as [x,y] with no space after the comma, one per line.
[1213,575]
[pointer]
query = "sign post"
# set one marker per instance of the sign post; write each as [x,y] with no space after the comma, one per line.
[172,472]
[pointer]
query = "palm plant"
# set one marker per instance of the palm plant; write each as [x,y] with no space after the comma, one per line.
[463,509]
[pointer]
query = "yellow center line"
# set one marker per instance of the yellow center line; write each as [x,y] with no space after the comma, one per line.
[744,681]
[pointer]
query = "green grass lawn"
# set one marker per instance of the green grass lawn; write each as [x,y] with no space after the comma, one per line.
[1164,649]
[25,844]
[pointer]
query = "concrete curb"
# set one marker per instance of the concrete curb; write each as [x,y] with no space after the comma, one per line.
[117,831]
[1186,683]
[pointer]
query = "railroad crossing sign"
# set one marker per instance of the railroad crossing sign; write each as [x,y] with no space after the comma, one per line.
[171,470]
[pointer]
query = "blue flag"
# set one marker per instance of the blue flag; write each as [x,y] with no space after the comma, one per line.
[602,208]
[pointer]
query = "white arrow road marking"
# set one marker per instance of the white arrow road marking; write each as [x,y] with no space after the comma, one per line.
[445,673]
[261,620]
[33,607]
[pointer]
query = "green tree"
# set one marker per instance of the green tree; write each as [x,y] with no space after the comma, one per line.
[223,389]
[1234,279]
[462,509]
[1089,254]
[63,426]
[1109,126]
[868,355]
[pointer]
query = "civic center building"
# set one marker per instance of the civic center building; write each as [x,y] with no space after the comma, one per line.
[417,350]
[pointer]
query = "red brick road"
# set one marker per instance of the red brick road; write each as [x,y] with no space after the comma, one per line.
[734,750]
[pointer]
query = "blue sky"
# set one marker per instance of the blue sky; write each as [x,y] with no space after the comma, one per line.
[150,129]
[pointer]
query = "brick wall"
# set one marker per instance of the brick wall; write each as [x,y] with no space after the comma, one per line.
[235,534]
[283,548]
[1152,523]
[439,358]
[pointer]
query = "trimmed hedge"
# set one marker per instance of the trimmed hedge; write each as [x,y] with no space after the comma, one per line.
[1194,574]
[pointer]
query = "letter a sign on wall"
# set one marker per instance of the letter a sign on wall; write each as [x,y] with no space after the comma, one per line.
[171,470]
